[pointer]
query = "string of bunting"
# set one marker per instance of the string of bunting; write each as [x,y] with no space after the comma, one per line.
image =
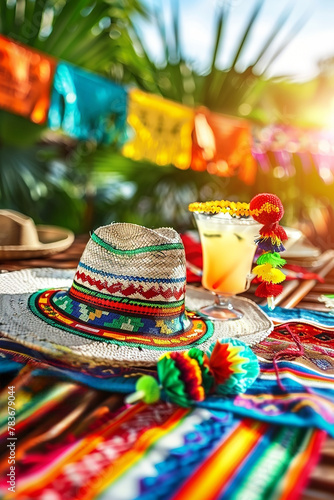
[280,148]
[86,106]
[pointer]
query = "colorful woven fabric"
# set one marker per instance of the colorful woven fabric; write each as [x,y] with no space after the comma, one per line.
[280,315]
[48,446]
[249,462]
[297,388]
[32,406]
[101,116]
[25,80]
[277,467]
[151,452]
[162,452]
[80,466]
[313,367]
[103,377]
[8,365]
[216,461]
[310,334]
[295,405]
[173,465]
[161,130]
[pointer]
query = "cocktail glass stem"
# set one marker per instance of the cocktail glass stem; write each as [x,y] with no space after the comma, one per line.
[222,309]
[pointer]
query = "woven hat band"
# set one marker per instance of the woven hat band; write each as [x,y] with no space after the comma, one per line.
[151,248]
[115,304]
[61,307]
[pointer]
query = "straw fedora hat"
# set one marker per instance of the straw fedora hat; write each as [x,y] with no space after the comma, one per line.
[124,306]
[21,239]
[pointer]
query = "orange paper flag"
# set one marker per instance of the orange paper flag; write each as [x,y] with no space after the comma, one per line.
[222,145]
[162,130]
[25,80]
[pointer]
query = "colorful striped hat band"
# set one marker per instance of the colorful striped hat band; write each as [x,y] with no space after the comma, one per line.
[129,288]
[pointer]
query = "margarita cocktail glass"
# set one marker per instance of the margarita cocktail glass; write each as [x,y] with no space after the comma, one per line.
[228,245]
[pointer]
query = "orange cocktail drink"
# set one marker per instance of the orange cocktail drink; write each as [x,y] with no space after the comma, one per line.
[228,245]
[228,233]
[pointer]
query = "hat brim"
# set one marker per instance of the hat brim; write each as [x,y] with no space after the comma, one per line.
[52,239]
[20,324]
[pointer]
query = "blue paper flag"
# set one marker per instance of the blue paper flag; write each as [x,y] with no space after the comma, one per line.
[87,106]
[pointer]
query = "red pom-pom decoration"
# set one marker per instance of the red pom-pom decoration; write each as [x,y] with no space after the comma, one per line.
[266,208]
[268,290]
[273,230]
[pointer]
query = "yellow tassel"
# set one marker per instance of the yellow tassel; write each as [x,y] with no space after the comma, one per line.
[269,274]
[262,269]
[277,276]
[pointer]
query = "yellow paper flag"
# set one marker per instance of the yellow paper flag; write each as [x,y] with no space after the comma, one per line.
[162,130]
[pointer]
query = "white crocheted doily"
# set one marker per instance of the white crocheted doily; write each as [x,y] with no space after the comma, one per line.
[18,323]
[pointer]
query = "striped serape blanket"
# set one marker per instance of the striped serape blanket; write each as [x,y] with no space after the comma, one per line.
[74,442]
[296,388]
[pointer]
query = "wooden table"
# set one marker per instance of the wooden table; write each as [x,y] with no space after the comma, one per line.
[300,294]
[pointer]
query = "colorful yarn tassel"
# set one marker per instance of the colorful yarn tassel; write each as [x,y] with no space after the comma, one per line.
[185,378]
[268,273]
[274,230]
[268,290]
[267,209]
[270,245]
[272,258]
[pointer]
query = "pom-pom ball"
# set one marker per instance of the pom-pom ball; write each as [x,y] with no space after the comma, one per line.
[266,208]
[233,365]
[185,378]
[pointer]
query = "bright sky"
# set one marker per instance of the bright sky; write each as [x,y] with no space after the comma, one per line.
[315,40]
